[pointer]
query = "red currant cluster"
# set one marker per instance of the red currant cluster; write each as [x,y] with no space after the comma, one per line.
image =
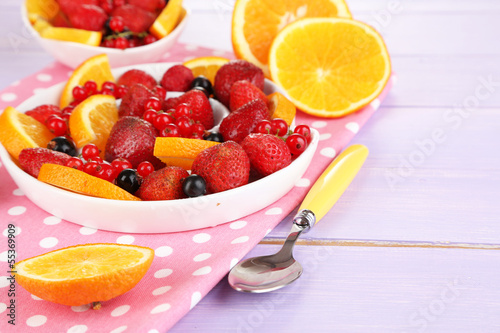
[296,140]
[80,93]
[174,122]
[91,163]
[119,37]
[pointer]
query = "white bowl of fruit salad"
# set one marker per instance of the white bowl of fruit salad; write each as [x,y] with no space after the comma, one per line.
[55,30]
[232,187]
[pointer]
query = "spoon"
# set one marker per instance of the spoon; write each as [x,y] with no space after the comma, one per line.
[268,273]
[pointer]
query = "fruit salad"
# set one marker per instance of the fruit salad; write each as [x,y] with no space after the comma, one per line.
[119,24]
[126,139]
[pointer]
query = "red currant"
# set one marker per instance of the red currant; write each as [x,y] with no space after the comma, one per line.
[67,110]
[162,120]
[160,92]
[153,103]
[184,124]
[121,91]
[109,43]
[75,163]
[65,117]
[198,130]
[279,127]
[107,5]
[145,168]
[90,87]
[149,39]
[263,127]
[170,131]
[74,104]
[305,131]
[79,93]
[105,171]
[90,167]
[97,159]
[182,110]
[150,115]
[107,92]
[120,164]
[116,24]
[121,43]
[56,125]
[109,86]
[89,151]
[297,143]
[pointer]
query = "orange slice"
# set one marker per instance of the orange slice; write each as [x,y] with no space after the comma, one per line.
[329,67]
[83,274]
[92,120]
[19,131]
[168,19]
[96,68]
[46,9]
[41,24]
[280,107]
[180,152]
[257,22]
[92,38]
[80,182]
[206,66]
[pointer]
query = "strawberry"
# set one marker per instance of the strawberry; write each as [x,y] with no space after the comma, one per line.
[199,104]
[243,92]
[163,184]
[267,153]
[133,139]
[148,5]
[177,78]
[42,112]
[87,17]
[67,5]
[233,71]
[133,102]
[135,76]
[32,159]
[136,19]
[241,122]
[223,166]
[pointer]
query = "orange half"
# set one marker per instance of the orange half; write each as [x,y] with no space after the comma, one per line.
[180,152]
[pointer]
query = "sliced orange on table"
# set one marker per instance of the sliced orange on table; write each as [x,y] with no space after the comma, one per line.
[92,38]
[92,120]
[256,23]
[19,131]
[206,66]
[280,107]
[84,274]
[180,152]
[96,68]
[168,19]
[46,9]
[80,182]
[329,67]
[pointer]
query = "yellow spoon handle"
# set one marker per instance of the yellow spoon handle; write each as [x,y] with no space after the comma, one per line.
[333,182]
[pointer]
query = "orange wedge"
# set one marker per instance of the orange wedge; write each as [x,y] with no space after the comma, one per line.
[96,68]
[92,38]
[180,152]
[168,19]
[329,67]
[46,9]
[92,120]
[19,131]
[206,66]
[83,274]
[80,182]
[41,24]
[280,107]
[257,22]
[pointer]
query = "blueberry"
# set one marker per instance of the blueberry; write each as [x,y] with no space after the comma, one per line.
[128,180]
[203,82]
[211,136]
[63,145]
[194,186]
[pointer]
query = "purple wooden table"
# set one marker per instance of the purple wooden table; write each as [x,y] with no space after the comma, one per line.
[412,246]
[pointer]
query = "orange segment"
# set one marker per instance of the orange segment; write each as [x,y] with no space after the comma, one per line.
[83,274]
[206,66]
[92,120]
[257,22]
[92,38]
[46,9]
[330,67]
[80,182]
[180,152]
[281,107]
[19,131]
[96,68]
[168,19]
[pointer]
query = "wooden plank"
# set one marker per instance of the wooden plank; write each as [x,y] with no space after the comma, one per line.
[357,289]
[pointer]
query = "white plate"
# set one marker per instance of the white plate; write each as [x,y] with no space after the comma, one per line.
[156,216]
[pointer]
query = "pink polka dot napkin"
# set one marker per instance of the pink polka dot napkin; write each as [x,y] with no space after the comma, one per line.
[187,265]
